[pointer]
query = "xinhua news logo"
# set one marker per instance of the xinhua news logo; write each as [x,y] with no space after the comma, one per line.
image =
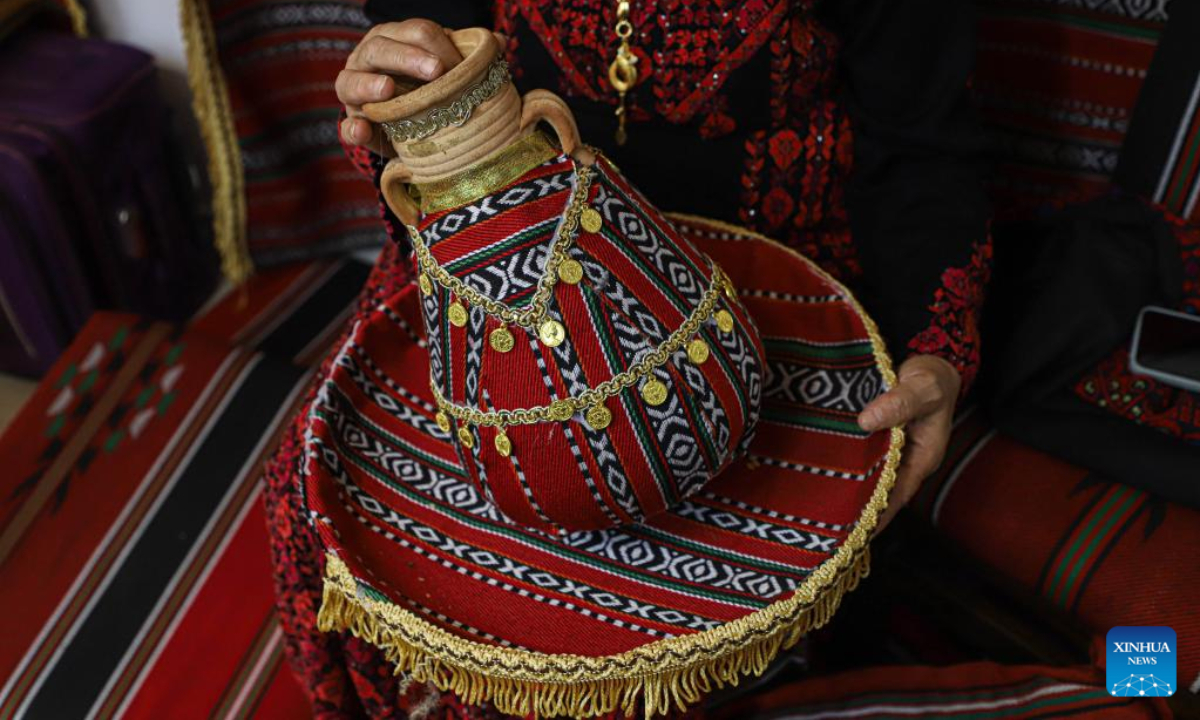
[1141,661]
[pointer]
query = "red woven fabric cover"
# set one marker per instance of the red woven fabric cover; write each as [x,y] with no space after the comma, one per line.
[394,499]
[132,524]
[971,690]
[1107,553]
[1057,83]
[641,281]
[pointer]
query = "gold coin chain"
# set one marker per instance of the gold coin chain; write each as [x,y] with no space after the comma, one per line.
[533,315]
[564,409]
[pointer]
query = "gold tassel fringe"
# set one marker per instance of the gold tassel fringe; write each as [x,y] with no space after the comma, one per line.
[210,102]
[665,675]
[78,15]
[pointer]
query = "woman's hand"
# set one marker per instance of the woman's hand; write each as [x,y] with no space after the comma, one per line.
[924,398]
[417,49]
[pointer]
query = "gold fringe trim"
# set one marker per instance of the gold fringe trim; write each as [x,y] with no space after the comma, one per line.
[210,102]
[665,674]
[78,15]
[580,686]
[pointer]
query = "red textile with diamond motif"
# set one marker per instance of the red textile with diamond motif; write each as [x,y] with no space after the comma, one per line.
[638,281]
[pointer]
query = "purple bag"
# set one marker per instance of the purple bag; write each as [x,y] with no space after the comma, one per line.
[93,200]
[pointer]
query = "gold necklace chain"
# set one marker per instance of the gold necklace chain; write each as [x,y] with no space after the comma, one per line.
[531,316]
[564,409]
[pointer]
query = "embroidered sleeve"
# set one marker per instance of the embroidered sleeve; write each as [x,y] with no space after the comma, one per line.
[953,330]
[915,198]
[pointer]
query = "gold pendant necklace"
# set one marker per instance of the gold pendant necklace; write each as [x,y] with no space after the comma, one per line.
[623,73]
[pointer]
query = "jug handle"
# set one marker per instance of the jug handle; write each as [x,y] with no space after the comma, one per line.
[394,185]
[545,106]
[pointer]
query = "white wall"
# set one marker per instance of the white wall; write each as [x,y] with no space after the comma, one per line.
[153,25]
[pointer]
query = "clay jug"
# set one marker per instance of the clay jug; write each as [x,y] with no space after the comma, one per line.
[499,122]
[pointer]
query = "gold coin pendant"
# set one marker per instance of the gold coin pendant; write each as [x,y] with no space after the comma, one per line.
[501,340]
[570,271]
[443,421]
[457,314]
[552,333]
[503,444]
[465,437]
[561,411]
[425,284]
[729,291]
[591,220]
[598,417]
[725,321]
[698,351]
[654,391]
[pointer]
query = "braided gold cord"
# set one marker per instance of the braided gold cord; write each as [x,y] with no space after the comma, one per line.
[456,113]
[533,315]
[565,408]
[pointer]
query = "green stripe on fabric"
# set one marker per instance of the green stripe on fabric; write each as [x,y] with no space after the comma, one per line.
[293,165]
[315,116]
[757,562]
[402,445]
[444,331]
[173,356]
[937,703]
[1078,696]
[711,454]
[597,317]
[1065,591]
[681,303]
[1184,171]
[67,376]
[254,695]
[165,402]
[709,332]
[639,427]
[372,593]
[1100,512]
[486,254]
[88,381]
[1115,28]
[143,397]
[559,550]
[118,339]
[666,289]
[631,399]
[56,424]
[794,346]
[908,699]
[793,415]
[114,440]
[637,208]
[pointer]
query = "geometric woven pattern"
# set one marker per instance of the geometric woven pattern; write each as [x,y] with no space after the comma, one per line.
[392,499]
[639,281]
